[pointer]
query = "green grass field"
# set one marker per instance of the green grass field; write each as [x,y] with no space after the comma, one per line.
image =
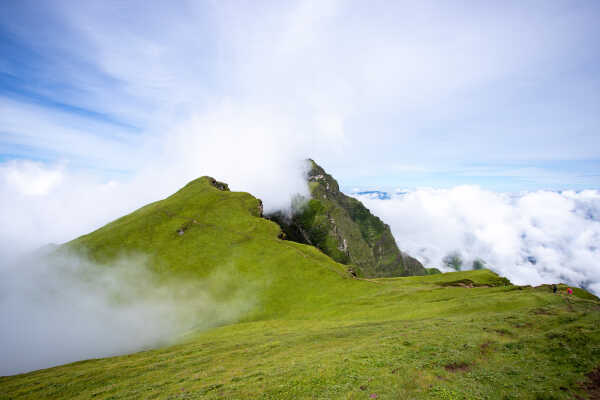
[314,332]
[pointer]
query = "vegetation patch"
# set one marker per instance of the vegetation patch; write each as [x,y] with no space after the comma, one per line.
[432,271]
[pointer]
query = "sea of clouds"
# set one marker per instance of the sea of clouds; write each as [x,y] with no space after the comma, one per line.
[531,237]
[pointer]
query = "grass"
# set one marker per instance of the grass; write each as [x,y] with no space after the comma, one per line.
[317,333]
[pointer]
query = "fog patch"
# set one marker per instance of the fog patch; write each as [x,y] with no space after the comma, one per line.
[60,308]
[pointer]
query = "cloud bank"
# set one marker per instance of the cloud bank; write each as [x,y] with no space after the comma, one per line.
[531,238]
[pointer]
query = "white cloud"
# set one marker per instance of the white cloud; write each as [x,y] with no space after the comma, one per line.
[253,149]
[531,238]
[29,178]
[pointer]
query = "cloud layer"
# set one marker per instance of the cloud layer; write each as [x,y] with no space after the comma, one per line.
[531,238]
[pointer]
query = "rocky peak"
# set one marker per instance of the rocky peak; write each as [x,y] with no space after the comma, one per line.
[343,228]
[322,185]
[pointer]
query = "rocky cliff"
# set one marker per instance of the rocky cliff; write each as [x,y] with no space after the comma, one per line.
[343,228]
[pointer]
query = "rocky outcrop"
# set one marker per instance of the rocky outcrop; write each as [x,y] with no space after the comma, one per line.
[219,185]
[342,227]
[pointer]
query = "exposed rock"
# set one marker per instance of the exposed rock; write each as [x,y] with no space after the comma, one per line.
[219,185]
[260,208]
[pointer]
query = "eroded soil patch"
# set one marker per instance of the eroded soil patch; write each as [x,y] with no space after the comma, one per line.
[457,367]
[592,386]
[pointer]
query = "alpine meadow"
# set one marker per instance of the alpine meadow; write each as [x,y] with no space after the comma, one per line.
[308,328]
[300,199]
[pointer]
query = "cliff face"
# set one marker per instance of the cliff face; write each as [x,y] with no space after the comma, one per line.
[343,228]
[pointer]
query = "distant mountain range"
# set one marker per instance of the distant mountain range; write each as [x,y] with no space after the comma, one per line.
[374,194]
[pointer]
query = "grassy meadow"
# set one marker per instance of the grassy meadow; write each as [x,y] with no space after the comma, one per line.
[315,332]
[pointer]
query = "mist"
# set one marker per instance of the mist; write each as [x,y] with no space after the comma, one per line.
[531,238]
[57,308]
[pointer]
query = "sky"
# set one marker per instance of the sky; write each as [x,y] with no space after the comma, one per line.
[502,95]
[481,119]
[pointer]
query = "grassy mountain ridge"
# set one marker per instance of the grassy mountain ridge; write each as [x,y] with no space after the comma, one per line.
[345,230]
[202,228]
[315,332]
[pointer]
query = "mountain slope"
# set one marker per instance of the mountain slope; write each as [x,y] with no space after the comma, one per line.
[204,228]
[314,332]
[345,230]
[402,338]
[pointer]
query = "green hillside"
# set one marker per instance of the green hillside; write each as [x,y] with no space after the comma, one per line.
[204,228]
[313,331]
[345,230]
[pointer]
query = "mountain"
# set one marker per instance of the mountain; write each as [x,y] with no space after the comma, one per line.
[205,227]
[343,228]
[309,330]
[374,194]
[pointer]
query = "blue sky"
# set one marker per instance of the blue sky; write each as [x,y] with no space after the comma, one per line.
[501,95]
